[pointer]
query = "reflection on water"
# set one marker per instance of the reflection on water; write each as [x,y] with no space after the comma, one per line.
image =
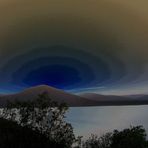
[99,120]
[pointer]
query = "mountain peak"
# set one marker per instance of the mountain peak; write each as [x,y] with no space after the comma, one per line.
[41,88]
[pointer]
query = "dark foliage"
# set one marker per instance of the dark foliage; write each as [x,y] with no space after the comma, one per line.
[44,116]
[133,137]
[98,142]
[13,135]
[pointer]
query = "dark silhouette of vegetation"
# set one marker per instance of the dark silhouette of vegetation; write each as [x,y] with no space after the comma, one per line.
[13,135]
[98,142]
[40,123]
[133,137]
[44,116]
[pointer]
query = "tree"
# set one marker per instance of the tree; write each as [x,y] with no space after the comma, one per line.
[133,137]
[42,115]
[98,142]
[13,135]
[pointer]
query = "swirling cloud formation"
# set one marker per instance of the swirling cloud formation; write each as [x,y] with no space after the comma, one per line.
[97,46]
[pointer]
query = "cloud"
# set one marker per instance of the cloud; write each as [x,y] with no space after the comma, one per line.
[107,38]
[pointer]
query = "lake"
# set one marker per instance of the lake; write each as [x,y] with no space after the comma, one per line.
[99,120]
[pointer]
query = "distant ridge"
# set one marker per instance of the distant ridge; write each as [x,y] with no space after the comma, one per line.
[55,94]
[87,99]
[116,100]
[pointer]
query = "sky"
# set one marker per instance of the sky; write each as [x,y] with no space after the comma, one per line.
[78,46]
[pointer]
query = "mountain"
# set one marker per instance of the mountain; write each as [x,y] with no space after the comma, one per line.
[87,99]
[55,94]
[113,100]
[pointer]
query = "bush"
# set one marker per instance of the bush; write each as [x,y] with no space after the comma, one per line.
[44,116]
[13,135]
[133,137]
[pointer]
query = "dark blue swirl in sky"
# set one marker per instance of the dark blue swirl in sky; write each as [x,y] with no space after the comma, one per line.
[54,71]
[58,66]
